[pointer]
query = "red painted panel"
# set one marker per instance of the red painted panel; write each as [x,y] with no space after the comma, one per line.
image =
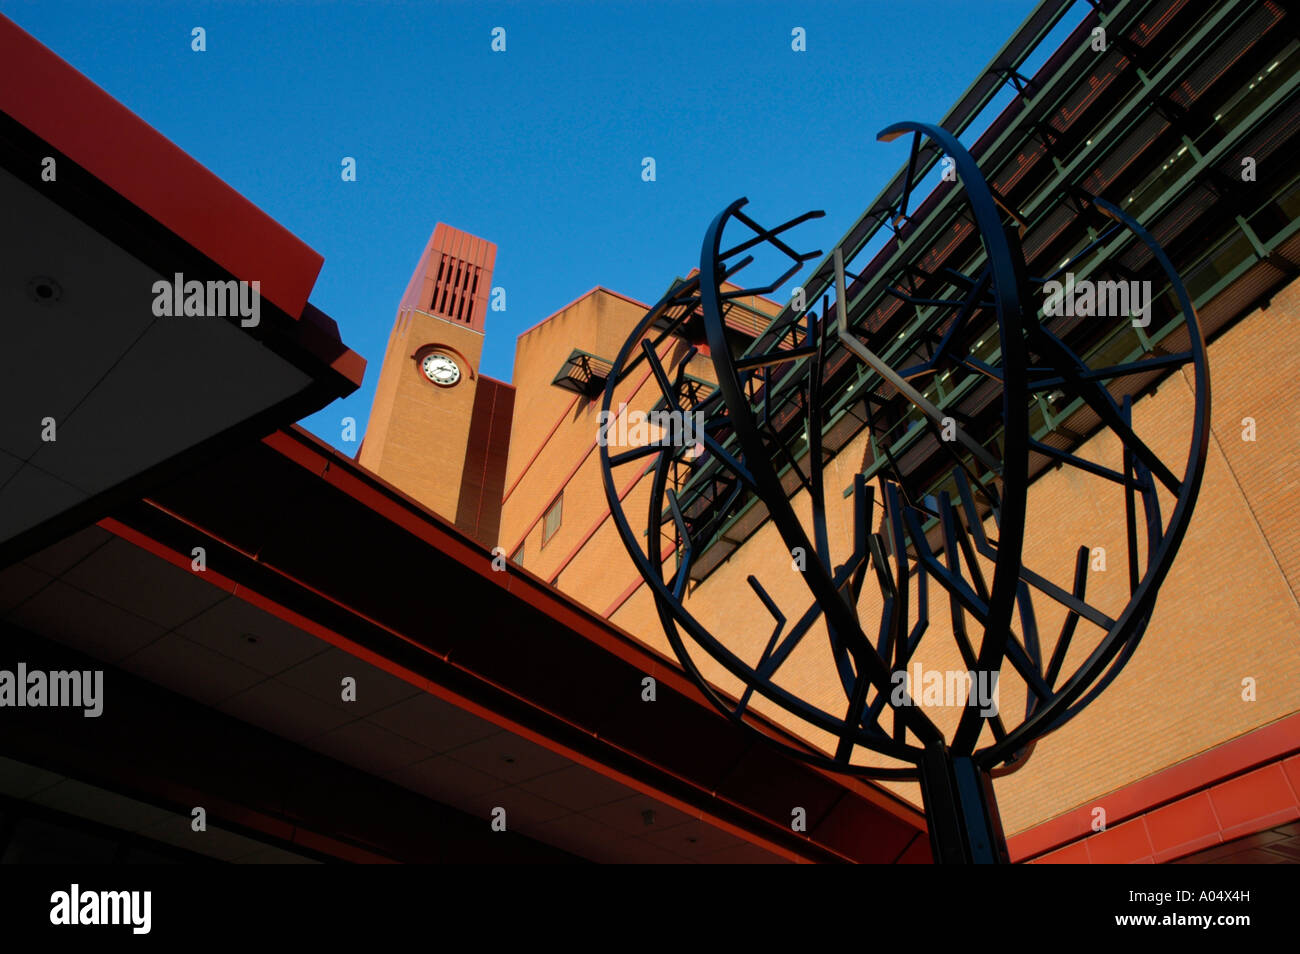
[1239,806]
[1185,826]
[1292,769]
[859,824]
[918,852]
[1124,844]
[1259,799]
[478,509]
[1266,744]
[1076,854]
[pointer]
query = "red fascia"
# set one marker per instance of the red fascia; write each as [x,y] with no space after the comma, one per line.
[377,495]
[374,659]
[65,109]
[316,456]
[310,452]
[1271,744]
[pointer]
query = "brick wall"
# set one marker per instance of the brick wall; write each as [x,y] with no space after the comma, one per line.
[1228,610]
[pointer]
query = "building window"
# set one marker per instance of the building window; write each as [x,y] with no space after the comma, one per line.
[517,558]
[551,522]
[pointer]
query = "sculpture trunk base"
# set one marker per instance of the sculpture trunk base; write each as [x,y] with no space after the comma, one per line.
[961,810]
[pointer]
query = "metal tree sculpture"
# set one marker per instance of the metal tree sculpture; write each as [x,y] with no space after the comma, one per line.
[775,388]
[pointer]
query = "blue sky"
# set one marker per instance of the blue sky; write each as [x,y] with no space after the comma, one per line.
[539,148]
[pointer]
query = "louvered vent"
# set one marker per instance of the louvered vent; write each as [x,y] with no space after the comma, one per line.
[454,288]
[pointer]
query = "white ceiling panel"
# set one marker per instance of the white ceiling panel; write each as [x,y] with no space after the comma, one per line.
[81,346]
[69,616]
[322,678]
[430,721]
[238,629]
[192,670]
[132,578]
[284,710]
[60,557]
[369,748]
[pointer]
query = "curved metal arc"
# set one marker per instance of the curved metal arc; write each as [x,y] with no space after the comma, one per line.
[1137,613]
[671,612]
[1007,269]
[1007,278]
[838,615]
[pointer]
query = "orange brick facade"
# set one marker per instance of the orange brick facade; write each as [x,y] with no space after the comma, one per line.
[1228,613]
[445,445]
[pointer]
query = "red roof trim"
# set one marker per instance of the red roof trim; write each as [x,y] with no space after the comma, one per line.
[65,109]
[1272,742]
[378,495]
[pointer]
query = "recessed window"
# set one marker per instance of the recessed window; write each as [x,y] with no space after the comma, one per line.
[517,558]
[551,522]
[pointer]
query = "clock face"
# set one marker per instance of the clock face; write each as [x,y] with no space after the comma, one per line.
[441,369]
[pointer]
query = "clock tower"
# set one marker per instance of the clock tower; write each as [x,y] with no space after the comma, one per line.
[438,430]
